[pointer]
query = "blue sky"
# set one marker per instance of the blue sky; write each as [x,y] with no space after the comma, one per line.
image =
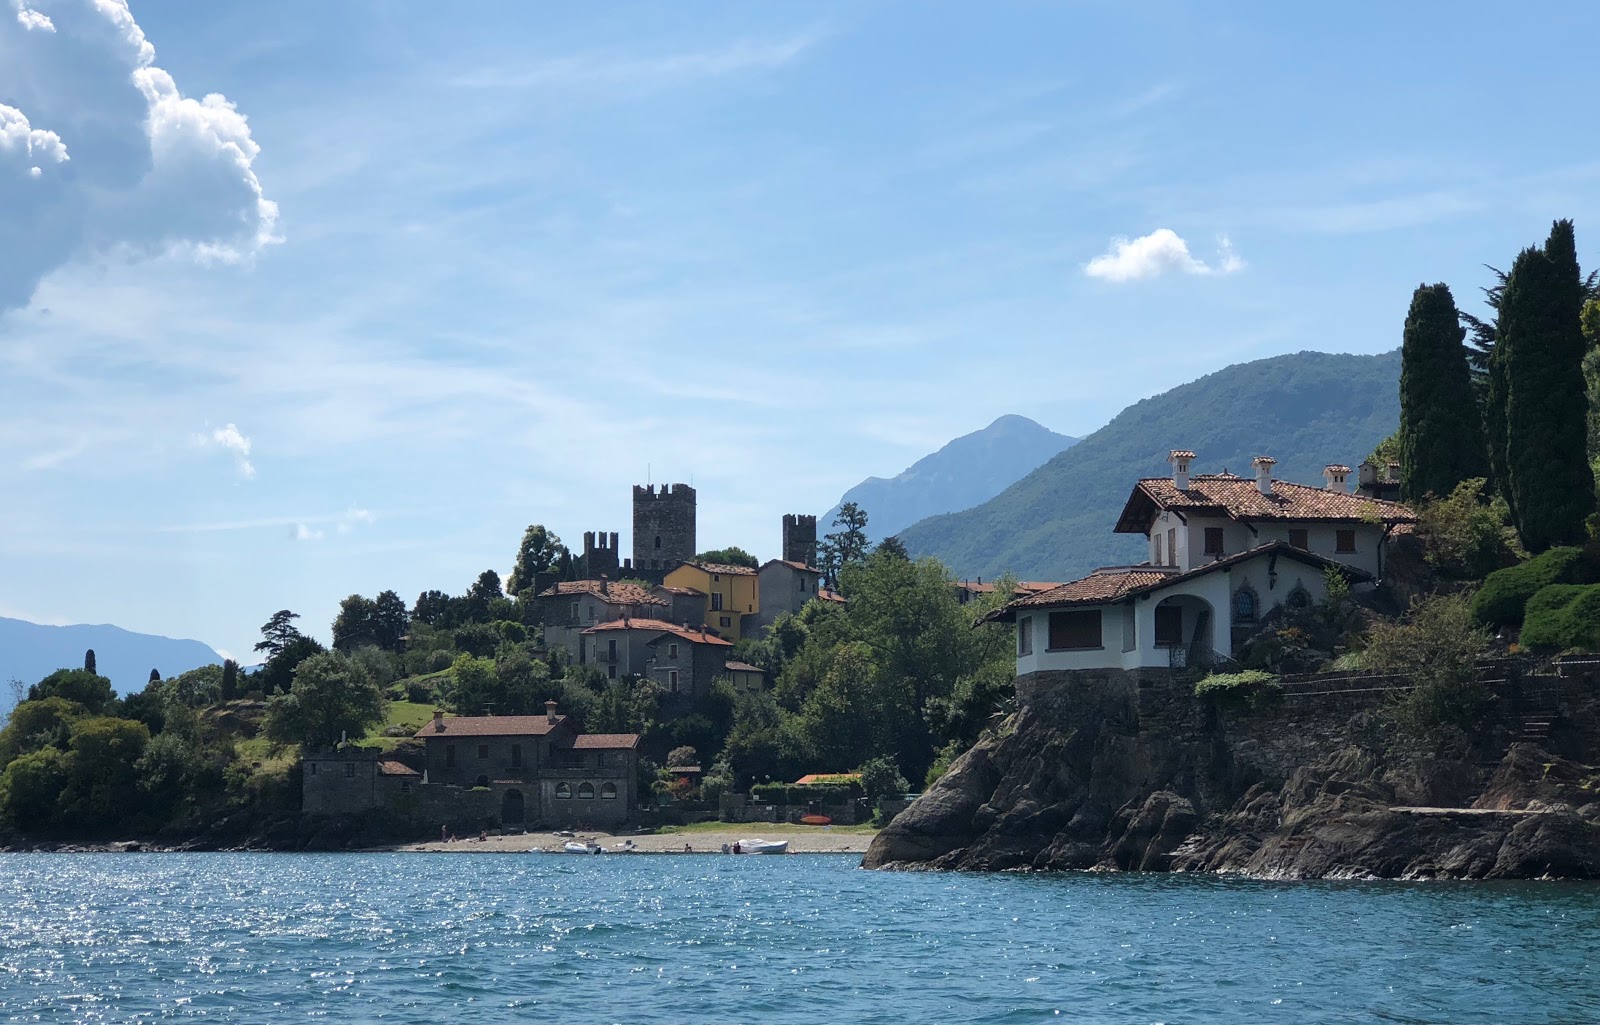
[442,271]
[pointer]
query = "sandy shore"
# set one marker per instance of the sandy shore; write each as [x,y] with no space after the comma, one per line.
[802,840]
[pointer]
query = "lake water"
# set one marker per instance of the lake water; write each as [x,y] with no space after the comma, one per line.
[567,939]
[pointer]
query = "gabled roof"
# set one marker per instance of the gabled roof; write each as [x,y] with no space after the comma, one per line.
[490,726]
[1121,583]
[687,592]
[742,667]
[660,626]
[824,594]
[389,767]
[723,568]
[611,594]
[802,567]
[605,742]
[1023,586]
[1238,498]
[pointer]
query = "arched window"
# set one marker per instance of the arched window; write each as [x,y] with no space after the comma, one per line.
[563,791]
[585,791]
[608,792]
[1245,605]
[1299,598]
[658,542]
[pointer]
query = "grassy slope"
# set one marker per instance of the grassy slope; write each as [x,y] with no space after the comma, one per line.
[1306,410]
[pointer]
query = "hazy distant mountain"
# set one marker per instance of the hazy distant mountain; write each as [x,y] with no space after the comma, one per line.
[971,469]
[1306,410]
[29,652]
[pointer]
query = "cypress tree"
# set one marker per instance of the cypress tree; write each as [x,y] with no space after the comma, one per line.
[155,677]
[1441,430]
[88,662]
[1540,348]
[230,679]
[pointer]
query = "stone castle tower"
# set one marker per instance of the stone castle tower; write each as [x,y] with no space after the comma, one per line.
[663,526]
[800,538]
[600,555]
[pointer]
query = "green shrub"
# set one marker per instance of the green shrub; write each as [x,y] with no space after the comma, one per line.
[1563,616]
[794,793]
[1503,599]
[1249,689]
[1462,535]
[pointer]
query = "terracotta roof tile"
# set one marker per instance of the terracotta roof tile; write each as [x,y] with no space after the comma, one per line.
[490,726]
[391,768]
[614,594]
[742,667]
[1238,498]
[660,626]
[687,592]
[605,741]
[1023,586]
[791,564]
[723,568]
[826,595]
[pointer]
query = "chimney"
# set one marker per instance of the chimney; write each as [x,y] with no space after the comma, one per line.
[438,720]
[1263,465]
[1180,458]
[1394,473]
[550,711]
[1367,473]
[1335,475]
[605,584]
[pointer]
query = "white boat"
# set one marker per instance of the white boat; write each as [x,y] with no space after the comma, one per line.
[625,847]
[573,847]
[763,847]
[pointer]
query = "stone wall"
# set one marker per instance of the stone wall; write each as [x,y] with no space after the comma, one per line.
[663,527]
[800,539]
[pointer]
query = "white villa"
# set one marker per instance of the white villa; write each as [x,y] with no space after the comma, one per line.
[1223,550]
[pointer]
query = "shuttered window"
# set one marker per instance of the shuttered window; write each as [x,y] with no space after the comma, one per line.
[1298,539]
[1075,629]
[1025,636]
[1169,626]
[1213,540]
[1344,541]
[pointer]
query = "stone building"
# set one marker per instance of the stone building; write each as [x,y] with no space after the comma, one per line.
[732,593]
[684,604]
[572,606]
[799,539]
[746,678]
[685,663]
[485,772]
[602,556]
[784,586]
[663,528]
[626,647]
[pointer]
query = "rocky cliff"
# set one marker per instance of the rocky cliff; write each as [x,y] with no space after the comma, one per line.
[1112,773]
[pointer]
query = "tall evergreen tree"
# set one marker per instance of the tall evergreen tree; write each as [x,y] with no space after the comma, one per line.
[1540,346]
[1489,385]
[230,679]
[88,662]
[155,677]
[1441,429]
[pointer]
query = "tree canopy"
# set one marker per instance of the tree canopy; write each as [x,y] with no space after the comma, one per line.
[1441,429]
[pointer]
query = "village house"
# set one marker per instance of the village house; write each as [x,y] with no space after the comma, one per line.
[512,770]
[784,586]
[1223,551]
[746,678]
[732,593]
[685,663]
[683,604]
[572,606]
[625,647]
[970,590]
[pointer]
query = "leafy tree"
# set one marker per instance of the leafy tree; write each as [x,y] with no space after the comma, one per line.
[432,608]
[91,691]
[626,706]
[155,677]
[1489,382]
[331,697]
[1540,346]
[37,724]
[1387,451]
[389,621]
[881,778]
[200,686]
[230,680]
[846,545]
[356,624]
[101,784]
[277,675]
[475,686]
[892,547]
[278,632]
[1436,646]
[478,639]
[30,787]
[88,662]
[539,552]
[730,556]
[685,755]
[1464,536]
[1441,429]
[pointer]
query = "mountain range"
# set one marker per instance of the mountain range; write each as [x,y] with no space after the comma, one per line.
[31,651]
[1306,410]
[968,471]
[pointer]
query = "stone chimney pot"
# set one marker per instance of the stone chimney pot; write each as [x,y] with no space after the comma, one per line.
[438,720]
[550,711]
[1180,458]
[1335,474]
[1263,466]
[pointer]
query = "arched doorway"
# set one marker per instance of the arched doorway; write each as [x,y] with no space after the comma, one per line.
[483,781]
[512,809]
[1183,628]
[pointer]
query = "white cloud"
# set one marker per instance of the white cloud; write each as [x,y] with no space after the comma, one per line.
[611,71]
[230,438]
[354,517]
[1161,252]
[302,532]
[152,171]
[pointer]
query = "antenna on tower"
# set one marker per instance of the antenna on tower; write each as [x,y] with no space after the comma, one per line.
[648,480]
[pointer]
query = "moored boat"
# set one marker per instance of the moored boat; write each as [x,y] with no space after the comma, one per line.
[574,847]
[763,847]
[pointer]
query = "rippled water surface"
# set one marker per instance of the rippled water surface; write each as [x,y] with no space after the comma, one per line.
[499,938]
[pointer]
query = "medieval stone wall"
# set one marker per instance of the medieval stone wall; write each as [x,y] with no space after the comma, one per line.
[663,527]
[800,538]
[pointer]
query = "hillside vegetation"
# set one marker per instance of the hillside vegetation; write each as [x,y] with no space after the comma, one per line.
[1306,410]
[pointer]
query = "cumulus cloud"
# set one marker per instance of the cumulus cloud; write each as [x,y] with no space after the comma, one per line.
[100,152]
[302,532]
[1163,251]
[233,440]
[344,523]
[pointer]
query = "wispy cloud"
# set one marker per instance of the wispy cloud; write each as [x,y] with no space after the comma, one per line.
[230,438]
[1163,251]
[626,71]
[302,532]
[301,528]
[52,458]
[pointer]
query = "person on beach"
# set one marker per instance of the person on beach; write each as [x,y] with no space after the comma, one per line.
[687,849]
[444,834]
[725,848]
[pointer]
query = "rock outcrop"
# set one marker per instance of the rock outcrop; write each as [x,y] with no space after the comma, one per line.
[1074,780]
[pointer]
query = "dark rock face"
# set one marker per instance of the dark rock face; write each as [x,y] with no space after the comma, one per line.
[1071,781]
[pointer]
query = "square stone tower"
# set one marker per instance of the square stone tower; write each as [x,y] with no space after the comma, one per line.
[663,526]
[800,538]
[600,555]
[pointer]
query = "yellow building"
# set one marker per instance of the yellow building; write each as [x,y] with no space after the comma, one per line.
[732,593]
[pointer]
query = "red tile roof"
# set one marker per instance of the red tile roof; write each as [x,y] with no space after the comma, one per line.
[791,564]
[660,626]
[1107,586]
[826,777]
[1023,586]
[490,726]
[614,594]
[686,591]
[742,667]
[388,768]
[1225,494]
[605,742]
[826,595]
[723,568]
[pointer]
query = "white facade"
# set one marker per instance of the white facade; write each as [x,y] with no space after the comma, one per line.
[1187,533]
[1128,627]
